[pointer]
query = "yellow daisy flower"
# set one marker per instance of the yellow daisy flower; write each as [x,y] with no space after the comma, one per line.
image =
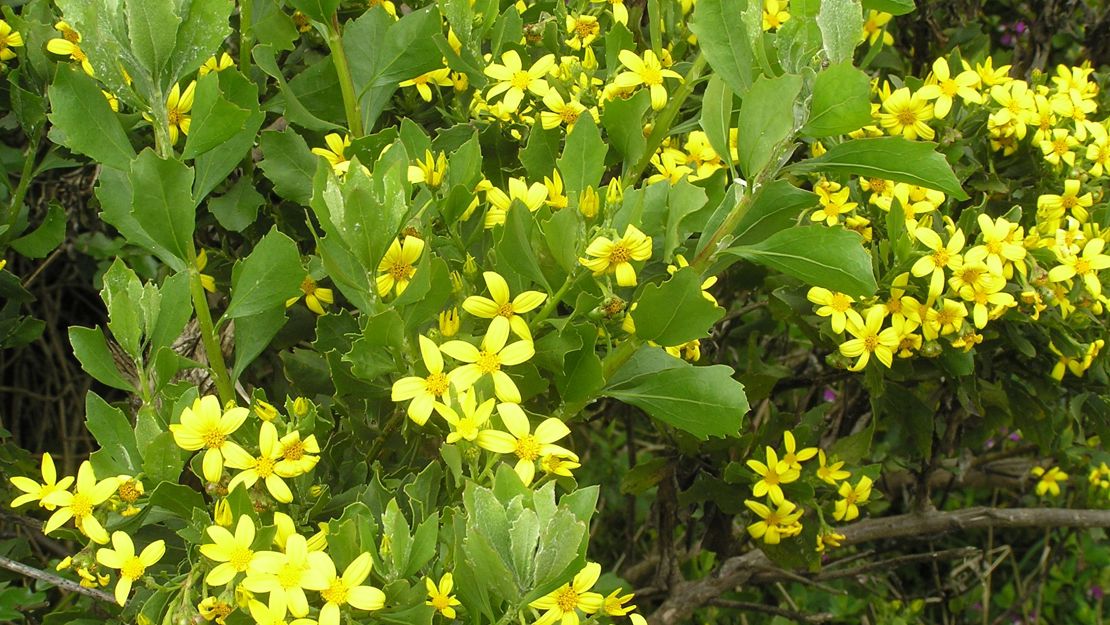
[396,268]
[131,567]
[424,392]
[488,360]
[232,551]
[78,505]
[313,296]
[562,604]
[504,309]
[528,446]
[438,77]
[347,589]
[847,508]
[772,475]
[262,467]
[513,80]
[286,575]
[439,595]
[205,426]
[647,71]
[608,256]
[178,105]
[34,491]
[774,524]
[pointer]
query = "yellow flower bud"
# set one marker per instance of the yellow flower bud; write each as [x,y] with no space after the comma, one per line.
[456,282]
[470,267]
[300,406]
[588,203]
[265,410]
[64,564]
[315,490]
[222,513]
[614,193]
[319,540]
[449,322]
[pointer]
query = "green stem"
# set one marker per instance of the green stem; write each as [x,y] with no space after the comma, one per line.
[553,301]
[246,36]
[21,188]
[208,332]
[665,120]
[346,83]
[705,256]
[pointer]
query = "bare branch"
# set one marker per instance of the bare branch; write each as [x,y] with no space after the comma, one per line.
[821,617]
[50,578]
[689,596]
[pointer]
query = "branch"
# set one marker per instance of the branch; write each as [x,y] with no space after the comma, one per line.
[821,617]
[50,578]
[689,596]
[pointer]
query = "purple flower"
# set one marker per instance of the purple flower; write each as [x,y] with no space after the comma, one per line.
[829,395]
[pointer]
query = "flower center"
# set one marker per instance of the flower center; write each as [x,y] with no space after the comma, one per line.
[840,302]
[436,384]
[264,467]
[945,317]
[505,310]
[336,593]
[1082,266]
[949,87]
[128,492]
[584,29]
[521,80]
[293,451]
[527,447]
[907,117]
[871,342]
[1068,201]
[970,276]
[401,270]
[441,602]
[651,76]
[994,247]
[308,285]
[289,576]
[1060,146]
[569,115]
[567,599]
[133,568]
[894,305]
[488,362]
[81,506]
[619,254]
[213,438]
[174,117]
[941,257]
[240,558]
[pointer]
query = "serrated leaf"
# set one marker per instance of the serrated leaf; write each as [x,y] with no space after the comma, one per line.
[265,279]
[676,311]
[83,121]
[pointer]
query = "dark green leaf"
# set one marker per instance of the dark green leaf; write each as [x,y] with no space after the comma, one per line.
[267,278]
[319,10]
[48,236]
[623,120]
[841,24]
[289,164]
[91,349]
[894,7]
[716,116]
[112,431]
[833,258]
[152,27]
[841,102]
[162,205]
[583,161]
[766,120]
[83,121]
[215,119]
[676,311]
[237,209]
[723,39]
[775,207]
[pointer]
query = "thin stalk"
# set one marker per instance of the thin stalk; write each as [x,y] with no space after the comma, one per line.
[612,362]
[246,36]
[21,188]
[208,333]
[665,120]
[346,83]
[553,301]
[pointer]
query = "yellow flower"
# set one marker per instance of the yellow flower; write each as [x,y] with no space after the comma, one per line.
[774,524]
[833,205]
[870,338]
[424,392]
[68,45]
[1049,481]
[836,306]
[847,508]
[388,5]
[78,505]
[178,105]
[583,29]
[774,14]
[216,65]
[949,319]
[131,567]
[273,612]
[532,197]
[263,467]
[557,464]
[396,267]
[1051,207]
[589,202]
[129,491]
[513,80]
[233,552]
[265,410]
[347,589]
[474,416]
[562,604]
[561,111]
[205,426]
[905,114]
[335,152]
[439,77]
[620,12]
[9,39]
[646,71]
[33,491]
[830,473]
[1058,148]
[488,360]
[221,513]
[429,171]
[1085,266]
[521,441]
[998,238]
[439,596]
[504,309]
[608,256]
[206,281]
[296,454]
[943,87]
[772,476]
[989,75]
[792,457]
[286,575]
[828,539]
[449,322]
[943,256]
[875,28]
[313,296]
[215,609]
[670,165]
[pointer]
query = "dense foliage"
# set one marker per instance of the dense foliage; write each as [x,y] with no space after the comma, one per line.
[602,311]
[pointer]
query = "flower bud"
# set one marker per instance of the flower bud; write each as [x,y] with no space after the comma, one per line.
[264,410]
[588,203]
[300,407]
[449,322]
[222,513]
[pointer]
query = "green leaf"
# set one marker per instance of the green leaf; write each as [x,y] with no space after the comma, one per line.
[122,295]
[213,167]
[162,205]
[204,26]
[894,7]
[683,199]
[174,311]
[623,120]
[48,236]
[676,311]
[889,158]
[775,207]
[579,376]
[112,431]
[91,349]
[267,278]
[833,258]
[82,120]
[911,421]
[514,248]
[215,119]
[841,102]
[289,164]
[723,39]
[538,155]
[561,540]
[766,120]
[152,27]
[237,209]
[319,10]
[583,161]
[177,498]
[841,24]
[253,333]
[704,401]
[716,116]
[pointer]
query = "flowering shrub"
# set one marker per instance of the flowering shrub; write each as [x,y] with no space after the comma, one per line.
[394,285]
